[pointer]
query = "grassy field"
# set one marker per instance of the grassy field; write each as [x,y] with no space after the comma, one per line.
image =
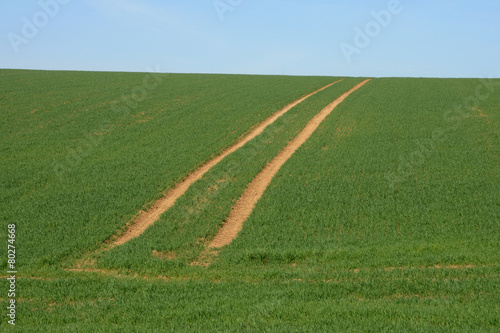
[335,202]
[387,218]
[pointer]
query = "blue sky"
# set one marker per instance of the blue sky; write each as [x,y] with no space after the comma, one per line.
[446,38]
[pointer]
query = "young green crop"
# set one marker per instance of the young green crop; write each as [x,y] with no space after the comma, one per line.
[385,219]
[432,300]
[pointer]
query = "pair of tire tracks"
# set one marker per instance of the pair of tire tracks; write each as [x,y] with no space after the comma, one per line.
[147,218]
[254,191]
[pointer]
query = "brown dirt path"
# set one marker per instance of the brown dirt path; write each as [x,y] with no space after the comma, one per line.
[149,217]
[246,203]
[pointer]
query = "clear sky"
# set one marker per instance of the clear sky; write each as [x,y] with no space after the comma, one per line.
[444,38]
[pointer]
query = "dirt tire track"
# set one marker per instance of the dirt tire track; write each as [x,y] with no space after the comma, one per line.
[149,217]
[246,203]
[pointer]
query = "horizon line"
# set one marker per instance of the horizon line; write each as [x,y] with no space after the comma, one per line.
[248,74]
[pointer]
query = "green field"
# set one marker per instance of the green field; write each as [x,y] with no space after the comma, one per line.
[387,218]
